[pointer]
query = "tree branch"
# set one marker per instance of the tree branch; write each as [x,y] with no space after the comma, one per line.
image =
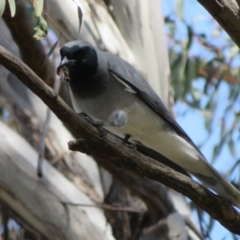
[111,151]
[226,13]
[22,30]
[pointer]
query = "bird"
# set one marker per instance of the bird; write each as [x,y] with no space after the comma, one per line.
[113,94]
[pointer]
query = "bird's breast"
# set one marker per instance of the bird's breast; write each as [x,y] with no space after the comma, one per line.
[141,122]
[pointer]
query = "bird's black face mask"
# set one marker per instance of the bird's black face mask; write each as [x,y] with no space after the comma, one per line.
[77,61]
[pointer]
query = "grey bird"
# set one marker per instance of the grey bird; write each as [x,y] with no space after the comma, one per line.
[114,94]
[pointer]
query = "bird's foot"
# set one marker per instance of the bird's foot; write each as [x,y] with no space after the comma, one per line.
[97,124]
[126,138]
[131,145]
[127,143]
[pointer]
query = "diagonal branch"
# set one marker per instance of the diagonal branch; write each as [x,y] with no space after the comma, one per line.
[110,152]
[226,13]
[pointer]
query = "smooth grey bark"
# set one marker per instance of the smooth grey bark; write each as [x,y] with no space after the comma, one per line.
[40,202]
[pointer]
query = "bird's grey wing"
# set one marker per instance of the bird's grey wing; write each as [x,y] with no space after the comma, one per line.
[130,76]
[159,157]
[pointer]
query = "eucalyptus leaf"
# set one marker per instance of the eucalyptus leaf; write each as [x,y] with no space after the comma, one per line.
[41,29]
[38,7]
[215,153]
[2,7]
[179,9]
[190,36]
[231,147]
[237,117]
[190,74]
[12,5]
[80,16]
[53,47]
[178,77]
[39,35]
[51,50]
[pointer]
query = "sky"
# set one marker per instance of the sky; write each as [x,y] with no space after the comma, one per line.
[193,122]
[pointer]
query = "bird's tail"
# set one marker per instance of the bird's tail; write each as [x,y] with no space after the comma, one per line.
[213,180]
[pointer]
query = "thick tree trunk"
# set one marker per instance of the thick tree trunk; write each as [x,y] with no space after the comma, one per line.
[41,202]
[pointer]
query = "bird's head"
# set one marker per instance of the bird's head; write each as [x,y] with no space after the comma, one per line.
[78,58]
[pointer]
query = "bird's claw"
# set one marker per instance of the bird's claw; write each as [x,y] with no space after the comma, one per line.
[127,143]
[97,124]
[126,138]
[131,145]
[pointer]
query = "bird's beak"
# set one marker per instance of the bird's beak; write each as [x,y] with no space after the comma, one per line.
[59,68]
[63,68]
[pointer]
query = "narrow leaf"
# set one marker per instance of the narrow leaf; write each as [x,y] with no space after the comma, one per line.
[39,33]
[43,25]
[51,50]
[53,47]
[179,9]
[40,4]
[12,6]
[178,77]
[38,7]
[2,7]
[215,153]
[190,36]
[189,75]
[80,15]
[231,147]
[41,29]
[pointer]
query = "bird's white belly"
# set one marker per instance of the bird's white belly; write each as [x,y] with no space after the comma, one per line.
[147,127]
[139,123]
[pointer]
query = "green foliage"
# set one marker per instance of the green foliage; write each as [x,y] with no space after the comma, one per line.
[80,15]
[2,7]
[51,50]
[42,26]
[217,71]
[205,77]
[179,9]
[38,7]
[12,6]
[41,29]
